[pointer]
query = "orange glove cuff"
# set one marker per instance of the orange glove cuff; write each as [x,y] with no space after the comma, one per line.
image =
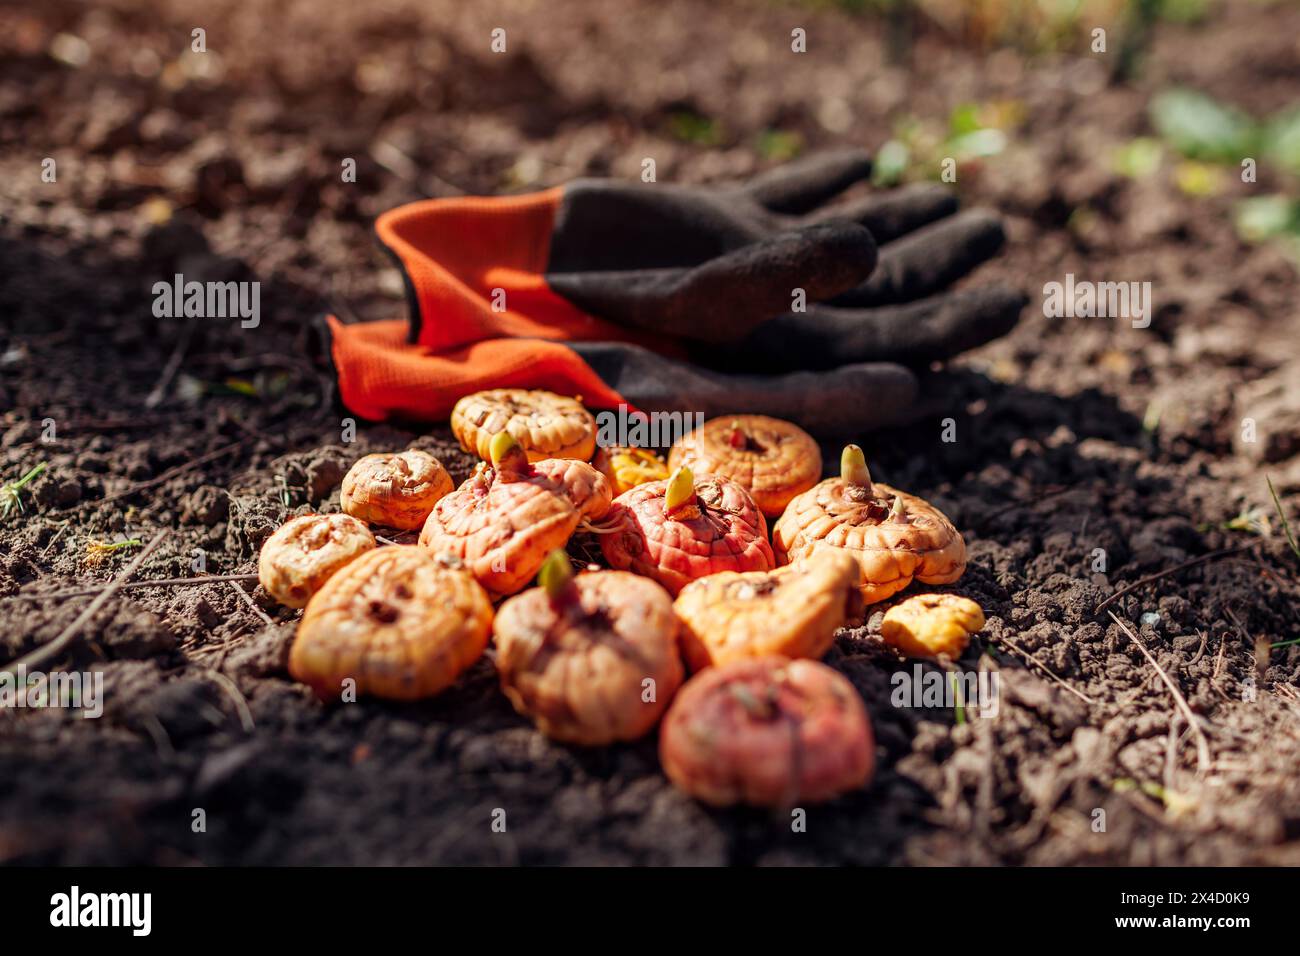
[382,376]
[475,269]
[481,313]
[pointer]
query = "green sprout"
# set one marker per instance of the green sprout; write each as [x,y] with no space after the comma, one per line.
[1138,158]
[1128,785]
[689,126]
[10,494]
[1175,802]
[1151,417]
[920,148]
[1286,525]
[556,574]
[1253,519]
[779,145]
[1200,127]
[958,698]
[97,552]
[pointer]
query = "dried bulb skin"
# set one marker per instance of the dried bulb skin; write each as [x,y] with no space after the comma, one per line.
[586,488]
[398,621]
[932,625]
[396,490]
[728,534]
[625,468]
[773,460]
[891,547]
[790,612]
[579,667]
[504,526]
[306,551]
[768,732]
[545,424]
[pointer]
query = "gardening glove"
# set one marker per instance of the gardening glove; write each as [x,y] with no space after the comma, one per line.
[660,290]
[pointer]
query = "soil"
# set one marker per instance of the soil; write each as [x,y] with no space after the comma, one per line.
[1072,435]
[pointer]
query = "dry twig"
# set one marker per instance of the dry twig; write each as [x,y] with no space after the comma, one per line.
[237,698]
[164,477]
[155,583]
[1140,582]
[1046,670]
[247,599]
[1202,745]
[69,633]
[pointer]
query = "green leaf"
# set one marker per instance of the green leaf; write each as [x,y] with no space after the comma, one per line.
[891,163]
[1138,158]
[780,145]
[691,127]
[1282,140]
[1199,179]
[977,144]
[1201,128]
[1184,11]
[1281,512]
[1263,217]
[241,386]
[965,119]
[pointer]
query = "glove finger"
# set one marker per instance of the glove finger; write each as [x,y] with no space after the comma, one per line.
[802,185]
[914,334]
[929,260]
[840,402]
[605,225]
[723,299]
[895,212]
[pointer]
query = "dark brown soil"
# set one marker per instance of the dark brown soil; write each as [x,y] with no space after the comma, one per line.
[1073,435]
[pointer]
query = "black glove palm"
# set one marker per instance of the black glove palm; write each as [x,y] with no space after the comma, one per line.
[719,266]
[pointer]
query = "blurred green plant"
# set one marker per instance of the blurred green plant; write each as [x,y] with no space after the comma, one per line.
[1032,26]
[918,148]
[1184,11]
[1200,179]
[1151,417]
[1200,127]
[1281,513]
[689,126]
[11,494]
[1260,218]
[779,145]
[1211,136]
[891,163]
[1138,158]
[1252,519]
[1280,141]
